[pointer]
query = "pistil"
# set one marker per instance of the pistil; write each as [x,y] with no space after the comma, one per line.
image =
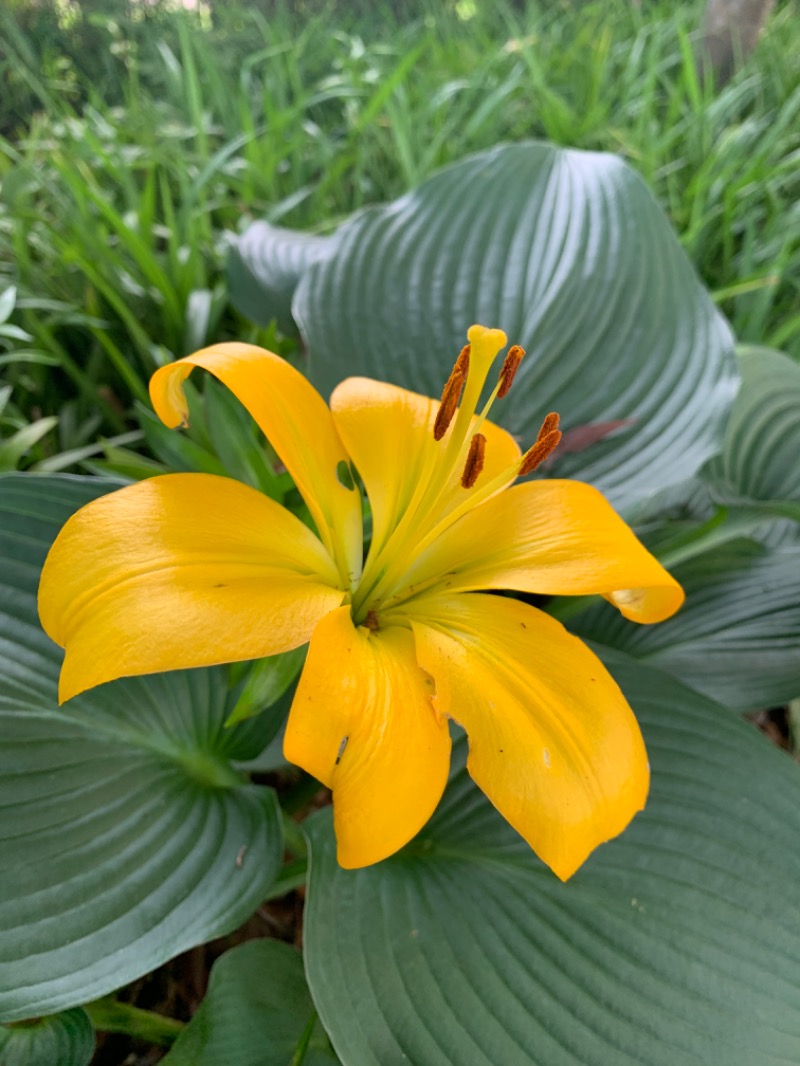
[457,432]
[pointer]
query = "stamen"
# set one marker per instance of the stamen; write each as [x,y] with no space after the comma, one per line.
[431,504]
[451,394]
[509,369]
[541,450]
[475,461]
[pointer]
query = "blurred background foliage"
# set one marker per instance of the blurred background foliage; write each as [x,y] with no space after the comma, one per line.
[137,139]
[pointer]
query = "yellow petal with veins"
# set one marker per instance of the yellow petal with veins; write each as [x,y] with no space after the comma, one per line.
[362,722]
[558,538]
[552,741]
[180,571]
[296,421]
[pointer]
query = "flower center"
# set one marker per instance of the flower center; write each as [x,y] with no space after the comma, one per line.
[459,460]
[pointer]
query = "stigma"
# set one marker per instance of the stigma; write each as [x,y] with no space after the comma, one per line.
[459,420]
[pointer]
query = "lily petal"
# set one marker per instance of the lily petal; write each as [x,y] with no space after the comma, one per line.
[558,538]
[552,741]
[362,722]
[389,433]
[298,424]
[179,571]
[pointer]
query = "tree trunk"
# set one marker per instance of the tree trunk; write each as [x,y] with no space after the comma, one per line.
[730,35]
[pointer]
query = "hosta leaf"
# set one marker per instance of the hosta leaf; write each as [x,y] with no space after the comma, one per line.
[759,459]
[568,252]
[60,1040]
[126,837]
[264,267]
[737,637]
[257,1012]
[267,681]
[678,943]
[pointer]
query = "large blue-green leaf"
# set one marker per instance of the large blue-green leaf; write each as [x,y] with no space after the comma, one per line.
[264,267]
[737,637]
[568,252]
[678,943]
[758,464]
[751,488]
[126,837]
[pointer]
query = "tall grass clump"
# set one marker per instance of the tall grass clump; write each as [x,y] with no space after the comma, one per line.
[118,206]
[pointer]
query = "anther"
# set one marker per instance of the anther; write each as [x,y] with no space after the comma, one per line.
[475,460]
[509,369]
[462,363]
[541,450]
[548,426]
[451,394]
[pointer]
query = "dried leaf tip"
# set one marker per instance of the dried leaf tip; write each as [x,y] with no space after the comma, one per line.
[509,369]
[475,459]
[451,394]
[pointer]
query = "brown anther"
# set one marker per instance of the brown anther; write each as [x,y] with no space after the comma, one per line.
[541,450]
[451,394]
[372,620]
[509,368]
[462,363]
[548,426]
[475,460]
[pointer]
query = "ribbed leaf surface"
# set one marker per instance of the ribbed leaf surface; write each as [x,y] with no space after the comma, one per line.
[568,253]
[678,943]
[61,1040]
[759,459]
[264,267]
[737,637]
[125,836]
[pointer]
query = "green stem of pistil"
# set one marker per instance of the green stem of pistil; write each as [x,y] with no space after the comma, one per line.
[385,569]
[392,572]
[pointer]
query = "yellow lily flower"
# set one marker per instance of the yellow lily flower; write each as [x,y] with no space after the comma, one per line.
[189,570]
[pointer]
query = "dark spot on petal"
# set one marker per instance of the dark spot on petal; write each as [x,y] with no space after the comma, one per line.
[342,746]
